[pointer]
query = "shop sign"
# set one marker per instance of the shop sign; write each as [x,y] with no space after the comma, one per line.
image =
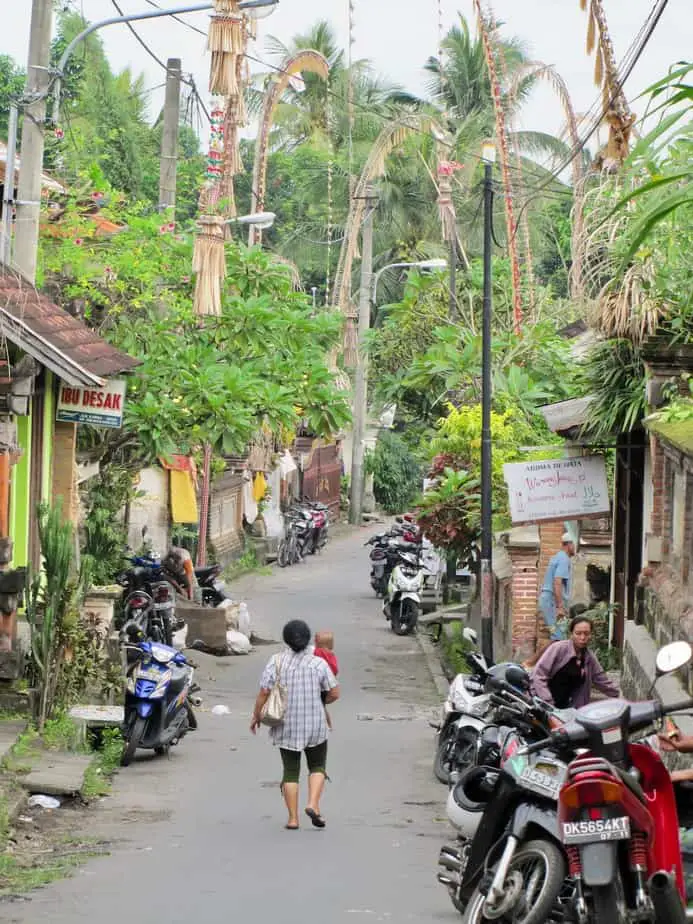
[100,407]
[557,489]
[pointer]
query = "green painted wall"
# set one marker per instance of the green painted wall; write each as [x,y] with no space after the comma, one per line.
[19,495]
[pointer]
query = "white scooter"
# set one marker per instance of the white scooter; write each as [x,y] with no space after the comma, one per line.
[403,599]
[463,716]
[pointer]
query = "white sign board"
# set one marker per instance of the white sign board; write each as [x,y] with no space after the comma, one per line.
[100,407]
[557,489]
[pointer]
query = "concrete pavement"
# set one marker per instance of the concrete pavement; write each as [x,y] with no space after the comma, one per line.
[200,837]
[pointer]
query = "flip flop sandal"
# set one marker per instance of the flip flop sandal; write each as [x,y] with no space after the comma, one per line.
[292,827]
[317,820]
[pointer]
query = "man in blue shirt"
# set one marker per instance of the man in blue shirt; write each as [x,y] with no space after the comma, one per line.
[554,599]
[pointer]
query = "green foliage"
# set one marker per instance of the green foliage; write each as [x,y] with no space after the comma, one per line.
[12,80]
[680,406]
[262,363]
[396,473]
[615,378]
[666,179]
[449,514]
[61,734]
[454,648]
[106,763]
[54,597]
[104,531]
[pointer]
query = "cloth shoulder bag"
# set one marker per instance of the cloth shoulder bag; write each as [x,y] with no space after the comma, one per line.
[274,710]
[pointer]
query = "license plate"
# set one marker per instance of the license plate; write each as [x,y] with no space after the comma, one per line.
[547,780]
[161,606]
[149,674]
[592,832]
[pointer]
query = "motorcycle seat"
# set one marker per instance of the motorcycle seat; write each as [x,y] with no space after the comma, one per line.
[206,572]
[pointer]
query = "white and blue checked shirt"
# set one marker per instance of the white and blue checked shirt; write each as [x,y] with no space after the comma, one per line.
[304,677]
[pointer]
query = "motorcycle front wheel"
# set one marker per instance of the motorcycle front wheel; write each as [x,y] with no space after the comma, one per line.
[454,754]
[283,554]
[404,622]
[535,879]
[133,740]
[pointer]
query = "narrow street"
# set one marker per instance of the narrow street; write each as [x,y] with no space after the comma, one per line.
[200,837]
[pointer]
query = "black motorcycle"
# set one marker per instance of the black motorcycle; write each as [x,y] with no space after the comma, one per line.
[508,862]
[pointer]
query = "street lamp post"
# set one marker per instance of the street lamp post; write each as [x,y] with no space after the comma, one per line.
[488,157]
[369,292]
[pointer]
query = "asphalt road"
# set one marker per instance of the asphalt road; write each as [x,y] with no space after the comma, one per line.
[199,837]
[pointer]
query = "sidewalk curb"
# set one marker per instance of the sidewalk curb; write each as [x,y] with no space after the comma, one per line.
[430,654]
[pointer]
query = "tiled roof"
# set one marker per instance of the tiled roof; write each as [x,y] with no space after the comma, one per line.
[54,337]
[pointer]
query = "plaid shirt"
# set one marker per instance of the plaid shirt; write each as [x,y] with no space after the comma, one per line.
[304,677]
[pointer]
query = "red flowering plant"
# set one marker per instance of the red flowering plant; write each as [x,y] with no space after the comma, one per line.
[449,513]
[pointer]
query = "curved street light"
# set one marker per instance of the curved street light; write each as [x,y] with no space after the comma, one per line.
[435,264]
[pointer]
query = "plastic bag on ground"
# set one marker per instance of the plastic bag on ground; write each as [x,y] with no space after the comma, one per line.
[44,802]
[238,643]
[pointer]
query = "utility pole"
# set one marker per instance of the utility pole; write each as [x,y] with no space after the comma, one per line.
[486,397]
[169,136]
[360,413]
[29,190]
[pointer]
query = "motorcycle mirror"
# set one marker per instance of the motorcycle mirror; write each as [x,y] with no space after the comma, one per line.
[673,657]
[145,530]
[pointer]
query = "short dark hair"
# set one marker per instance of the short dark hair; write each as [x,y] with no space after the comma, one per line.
[297,635]
[576,620]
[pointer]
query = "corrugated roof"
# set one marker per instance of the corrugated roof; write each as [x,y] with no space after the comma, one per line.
[567,415]
[54,337]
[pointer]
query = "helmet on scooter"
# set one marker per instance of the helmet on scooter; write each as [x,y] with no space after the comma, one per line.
[468,799]
[507,674]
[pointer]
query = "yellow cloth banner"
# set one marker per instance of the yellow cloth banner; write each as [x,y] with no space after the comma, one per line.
[259,486]
[183,498]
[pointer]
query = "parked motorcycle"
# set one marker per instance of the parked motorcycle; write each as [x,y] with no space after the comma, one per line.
[617,810]
[211,586]
[159,699]
[402,605]
[601,815]
[463,716]
[505,810]
[384,556]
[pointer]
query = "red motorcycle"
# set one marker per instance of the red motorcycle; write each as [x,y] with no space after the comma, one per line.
[617,811]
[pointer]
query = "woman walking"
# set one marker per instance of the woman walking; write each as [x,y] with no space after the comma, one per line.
[304,727]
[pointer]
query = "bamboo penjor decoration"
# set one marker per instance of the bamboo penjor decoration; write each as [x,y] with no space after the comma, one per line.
[228,37]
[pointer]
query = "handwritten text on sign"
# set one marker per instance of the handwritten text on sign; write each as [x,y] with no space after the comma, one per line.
[100,407]
[557,489]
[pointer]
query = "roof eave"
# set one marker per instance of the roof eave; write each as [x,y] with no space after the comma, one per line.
[35,345]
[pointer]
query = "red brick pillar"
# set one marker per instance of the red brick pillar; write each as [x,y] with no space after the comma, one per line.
[523,554]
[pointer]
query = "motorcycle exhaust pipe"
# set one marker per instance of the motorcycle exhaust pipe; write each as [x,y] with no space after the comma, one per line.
[666,898]
[450,859]
[447,881]
[195,701]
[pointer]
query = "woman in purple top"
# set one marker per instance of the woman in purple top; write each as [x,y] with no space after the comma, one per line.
[566,672]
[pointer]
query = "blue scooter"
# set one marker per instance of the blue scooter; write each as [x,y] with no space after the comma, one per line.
[159,699]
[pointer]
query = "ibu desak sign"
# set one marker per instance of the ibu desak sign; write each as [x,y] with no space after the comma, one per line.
[557,489]
[100,407]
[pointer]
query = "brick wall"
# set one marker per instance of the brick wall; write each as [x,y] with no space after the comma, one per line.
[64,477]
[657,465]
[524,601]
